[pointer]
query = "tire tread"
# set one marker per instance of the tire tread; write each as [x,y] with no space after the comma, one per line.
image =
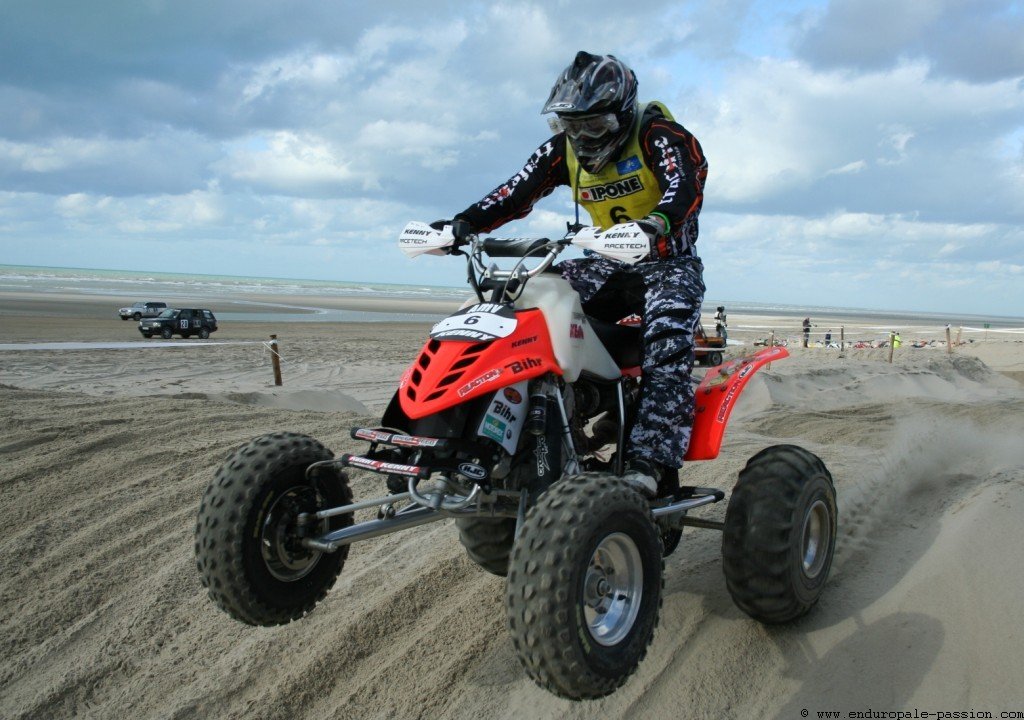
[539,575]
[221,523]
[756,544]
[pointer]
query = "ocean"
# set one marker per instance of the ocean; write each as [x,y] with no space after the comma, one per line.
[169,287]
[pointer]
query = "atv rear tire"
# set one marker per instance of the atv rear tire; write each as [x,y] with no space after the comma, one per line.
[488,542]
[584,586]
[780,533]
[247,550]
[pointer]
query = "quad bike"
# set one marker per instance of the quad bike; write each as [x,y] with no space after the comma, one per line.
[510,421]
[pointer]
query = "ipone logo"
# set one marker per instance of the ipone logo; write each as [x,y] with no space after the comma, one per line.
[617,189]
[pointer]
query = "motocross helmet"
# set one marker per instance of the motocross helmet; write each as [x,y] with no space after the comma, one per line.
[594,101]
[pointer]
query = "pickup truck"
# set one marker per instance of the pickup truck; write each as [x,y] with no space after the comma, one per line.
[185,322]
[139,310]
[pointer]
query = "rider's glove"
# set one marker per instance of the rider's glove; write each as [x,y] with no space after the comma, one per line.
[461,230]
[655,227]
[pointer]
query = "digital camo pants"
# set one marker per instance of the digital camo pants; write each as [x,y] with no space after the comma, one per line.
[668,294]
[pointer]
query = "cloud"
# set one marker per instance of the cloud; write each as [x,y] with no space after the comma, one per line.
[865,260]
[167,162]
[287,163]
[976,40]
[310,69]
[852,167]
[151,215]
[847,139]
[782,136]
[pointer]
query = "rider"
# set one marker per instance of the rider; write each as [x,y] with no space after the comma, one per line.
[624,161]
[721,326]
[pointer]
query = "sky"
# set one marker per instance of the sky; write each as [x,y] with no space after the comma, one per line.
[862,153]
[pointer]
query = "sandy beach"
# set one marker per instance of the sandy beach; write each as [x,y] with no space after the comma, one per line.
[106,452]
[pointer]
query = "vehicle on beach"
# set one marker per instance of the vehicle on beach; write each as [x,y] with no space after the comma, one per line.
[708,348]
[139,310]
[511,420]
[184,321]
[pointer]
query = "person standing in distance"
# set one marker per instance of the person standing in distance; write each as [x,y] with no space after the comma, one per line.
[623,161]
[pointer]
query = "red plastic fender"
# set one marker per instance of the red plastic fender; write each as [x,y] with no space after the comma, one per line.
[716,396]
[451,372]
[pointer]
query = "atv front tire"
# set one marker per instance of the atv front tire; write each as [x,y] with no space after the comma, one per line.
[488,542]
[584,586]
[249,555]
[780,534]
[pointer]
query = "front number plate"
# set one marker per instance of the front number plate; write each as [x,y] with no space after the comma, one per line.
[480,323]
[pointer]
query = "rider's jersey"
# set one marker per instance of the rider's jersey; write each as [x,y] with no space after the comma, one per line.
[623,190]
[660,154]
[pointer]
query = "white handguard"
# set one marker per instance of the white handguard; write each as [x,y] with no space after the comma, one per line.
[626,242]
[420,239]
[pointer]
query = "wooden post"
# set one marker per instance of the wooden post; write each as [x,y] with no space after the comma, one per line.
[842,337]
[959,330]
[949,344]
[892,339]
[275,359]
[771,343]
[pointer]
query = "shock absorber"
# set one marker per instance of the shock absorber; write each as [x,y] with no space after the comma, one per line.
[537,418]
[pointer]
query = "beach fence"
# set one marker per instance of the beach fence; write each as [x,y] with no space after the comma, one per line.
[271,347]
[275,359]
[915,337]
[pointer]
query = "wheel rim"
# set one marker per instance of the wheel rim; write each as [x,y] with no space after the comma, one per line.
[286,559]
[612,589]
[817,537]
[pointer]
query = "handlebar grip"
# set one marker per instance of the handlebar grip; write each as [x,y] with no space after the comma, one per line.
[513,247]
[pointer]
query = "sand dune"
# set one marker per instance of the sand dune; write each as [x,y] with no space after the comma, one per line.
[105,458]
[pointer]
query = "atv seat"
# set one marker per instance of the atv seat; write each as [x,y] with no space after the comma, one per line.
[623,342]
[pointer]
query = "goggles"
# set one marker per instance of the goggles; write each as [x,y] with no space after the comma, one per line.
[590,126]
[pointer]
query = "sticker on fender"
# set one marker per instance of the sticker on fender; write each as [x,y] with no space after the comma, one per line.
[481,323]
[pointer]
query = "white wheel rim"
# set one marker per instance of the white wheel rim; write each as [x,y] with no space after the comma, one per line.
[817,537]
[612,589]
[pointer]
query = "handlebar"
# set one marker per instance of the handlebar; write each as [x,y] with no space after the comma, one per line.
[513,247]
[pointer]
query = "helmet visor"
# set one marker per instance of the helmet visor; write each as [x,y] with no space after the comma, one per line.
[592,127]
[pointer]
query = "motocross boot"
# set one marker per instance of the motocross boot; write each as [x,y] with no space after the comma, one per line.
[644,476]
